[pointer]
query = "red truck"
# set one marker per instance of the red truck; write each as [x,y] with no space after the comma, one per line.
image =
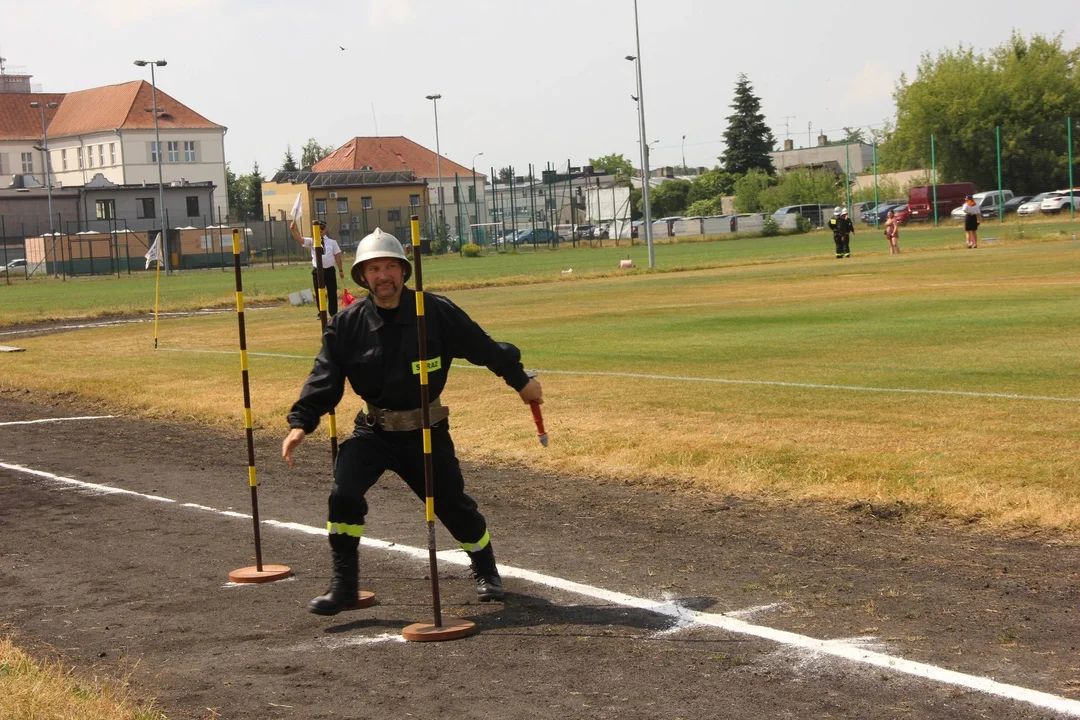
[949,196]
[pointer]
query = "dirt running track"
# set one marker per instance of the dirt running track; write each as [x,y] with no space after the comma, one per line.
[119,583]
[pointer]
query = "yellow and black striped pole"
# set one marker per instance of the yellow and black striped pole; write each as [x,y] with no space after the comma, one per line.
[316,236]
[259,573]
[457,627]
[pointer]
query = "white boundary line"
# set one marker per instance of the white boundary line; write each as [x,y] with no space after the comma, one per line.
[722,381]
[49,420]
[842,649]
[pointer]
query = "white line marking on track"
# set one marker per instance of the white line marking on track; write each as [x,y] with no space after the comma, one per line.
[720,381]
[49,420]
[845,649]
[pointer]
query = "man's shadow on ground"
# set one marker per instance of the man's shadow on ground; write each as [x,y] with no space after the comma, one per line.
[524,611]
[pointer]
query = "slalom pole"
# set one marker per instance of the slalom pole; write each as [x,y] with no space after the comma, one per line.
[259,573]
[316,236]
[455,628]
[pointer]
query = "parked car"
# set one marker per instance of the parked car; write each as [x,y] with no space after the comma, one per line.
[1013,205]
[987,202]
[949,196]
[1034,205]
[1061,201]
[902,213]
[538,236]
[881,211]
[818,215]
[600,232]
[582,232]
[13,267]
[861,208]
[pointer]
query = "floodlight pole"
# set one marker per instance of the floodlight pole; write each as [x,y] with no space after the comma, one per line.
[157,142]
[644,148]
[438,163]
[48,181]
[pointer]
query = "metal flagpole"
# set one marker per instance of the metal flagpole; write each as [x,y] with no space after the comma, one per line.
[259,573]
[455,628]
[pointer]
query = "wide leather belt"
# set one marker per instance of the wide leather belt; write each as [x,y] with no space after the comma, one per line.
[401,420]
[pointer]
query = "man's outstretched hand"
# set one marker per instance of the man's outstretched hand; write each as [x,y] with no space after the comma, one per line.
[294,438]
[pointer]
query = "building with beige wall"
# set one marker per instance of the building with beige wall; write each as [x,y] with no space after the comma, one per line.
[352,203]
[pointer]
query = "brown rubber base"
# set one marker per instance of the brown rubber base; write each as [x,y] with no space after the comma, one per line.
[451,629]
[251,574]
[365,599]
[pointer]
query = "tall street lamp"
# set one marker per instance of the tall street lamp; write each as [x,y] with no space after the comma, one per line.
[48,181]
[475,195]
[636,59]
[684,155]
[438,164]
[157,144]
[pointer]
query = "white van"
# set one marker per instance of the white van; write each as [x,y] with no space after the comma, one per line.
[987,202]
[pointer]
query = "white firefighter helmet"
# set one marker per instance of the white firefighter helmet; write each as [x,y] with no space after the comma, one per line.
[379,244]
[843,212]
[836,211]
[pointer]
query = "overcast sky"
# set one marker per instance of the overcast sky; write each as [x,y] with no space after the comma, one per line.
[522,81]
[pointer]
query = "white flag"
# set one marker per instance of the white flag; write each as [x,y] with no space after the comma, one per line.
[297,211]
[154,253]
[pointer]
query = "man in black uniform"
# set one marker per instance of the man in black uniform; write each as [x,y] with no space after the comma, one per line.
[846,229]
[373,344]
[834,225]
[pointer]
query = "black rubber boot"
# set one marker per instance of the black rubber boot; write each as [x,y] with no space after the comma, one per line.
[343,593]
[489,586]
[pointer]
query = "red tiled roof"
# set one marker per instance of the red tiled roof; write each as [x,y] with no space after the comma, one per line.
[122,106]
[19,121]
[389,154]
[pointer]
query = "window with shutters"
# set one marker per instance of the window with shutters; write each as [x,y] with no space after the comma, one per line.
[189,151]
[28,162]
[174,151]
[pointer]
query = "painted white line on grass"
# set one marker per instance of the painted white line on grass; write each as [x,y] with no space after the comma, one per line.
[81,326]
[721,381]
[49,420]
[846,649]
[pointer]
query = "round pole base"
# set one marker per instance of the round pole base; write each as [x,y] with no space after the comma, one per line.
[251,574]
[364,599]
[451,629]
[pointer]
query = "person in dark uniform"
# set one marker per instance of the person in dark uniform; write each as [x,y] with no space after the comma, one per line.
[834,225]
[373,344]
[846,229]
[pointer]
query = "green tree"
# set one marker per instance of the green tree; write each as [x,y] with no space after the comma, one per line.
[749,140]
[748,190]
[313,152]
[713,184]
[505,174]
[854,135]
[233,190]
[702,208]
[669,198]
[615,163]
[253,207]
[289,163]
[1027,86]
[801,187]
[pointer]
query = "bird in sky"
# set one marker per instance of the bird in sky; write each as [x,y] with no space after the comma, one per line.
[341,47]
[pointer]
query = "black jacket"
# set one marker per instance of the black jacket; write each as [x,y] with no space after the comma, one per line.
[381,359]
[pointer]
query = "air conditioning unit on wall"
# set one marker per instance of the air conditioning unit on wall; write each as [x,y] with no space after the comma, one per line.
[333,196]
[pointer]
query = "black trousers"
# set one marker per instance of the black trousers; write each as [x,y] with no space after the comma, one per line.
[364,457]
[330,280]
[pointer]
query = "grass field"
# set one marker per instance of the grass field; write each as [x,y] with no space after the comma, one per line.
[942,378]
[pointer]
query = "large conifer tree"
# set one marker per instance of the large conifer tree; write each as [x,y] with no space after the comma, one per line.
[749,140]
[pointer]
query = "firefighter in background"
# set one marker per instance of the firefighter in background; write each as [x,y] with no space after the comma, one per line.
[834,225]
[845,228]
[373,344]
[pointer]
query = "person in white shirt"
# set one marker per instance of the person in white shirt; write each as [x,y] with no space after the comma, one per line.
[331,257]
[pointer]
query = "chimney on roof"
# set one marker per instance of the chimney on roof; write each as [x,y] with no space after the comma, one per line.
[789,144]
[822,140]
